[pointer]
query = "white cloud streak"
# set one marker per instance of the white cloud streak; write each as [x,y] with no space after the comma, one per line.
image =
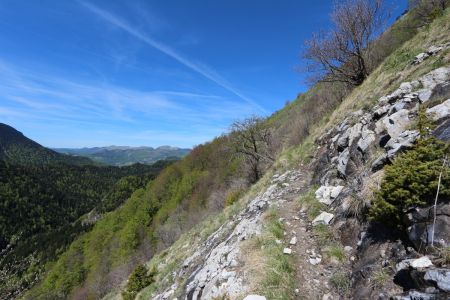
[195,66]
[30,99]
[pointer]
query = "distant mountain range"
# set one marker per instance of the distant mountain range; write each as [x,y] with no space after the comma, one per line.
[124,155]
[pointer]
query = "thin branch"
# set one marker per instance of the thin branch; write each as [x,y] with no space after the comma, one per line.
[436,200]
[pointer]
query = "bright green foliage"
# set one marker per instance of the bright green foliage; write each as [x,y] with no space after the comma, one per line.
[41,207]
[53,195]
[412,180]
[139,279]
[95,254]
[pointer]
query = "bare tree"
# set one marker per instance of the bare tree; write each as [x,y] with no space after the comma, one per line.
[253,139]
[343,53]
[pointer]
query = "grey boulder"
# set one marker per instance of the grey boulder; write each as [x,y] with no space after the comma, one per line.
[420,226]
[439,112]
[441,277]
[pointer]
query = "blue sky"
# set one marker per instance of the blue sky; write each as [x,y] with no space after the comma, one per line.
[97,73]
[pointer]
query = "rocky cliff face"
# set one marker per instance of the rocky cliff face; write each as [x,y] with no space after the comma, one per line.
[348,163]
[352,156]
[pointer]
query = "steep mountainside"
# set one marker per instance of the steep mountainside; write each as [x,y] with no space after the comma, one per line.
[325,221]
[18,149]
[313,227]
[122,155]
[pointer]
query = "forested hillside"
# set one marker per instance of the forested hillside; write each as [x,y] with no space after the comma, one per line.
[18,149]
[47,199]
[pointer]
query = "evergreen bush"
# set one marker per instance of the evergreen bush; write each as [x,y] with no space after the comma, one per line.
[412,181]
[139,279]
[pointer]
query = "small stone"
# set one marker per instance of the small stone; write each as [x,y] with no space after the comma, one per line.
[315,261]
[327,296]
[379,163]
[225,274]
[323,218]
[234,263]
[287,251]
[343,160]
[278,241]
[425,95]
[440,111]
[293,241]
[255,297]
[348,249]
[441,277]
[422,262]
[434,49]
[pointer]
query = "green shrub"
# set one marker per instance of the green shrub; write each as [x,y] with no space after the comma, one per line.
[232,197]
[335,251]
[380,278]
[400,58]
[341,282]
[412,181]
[139,279]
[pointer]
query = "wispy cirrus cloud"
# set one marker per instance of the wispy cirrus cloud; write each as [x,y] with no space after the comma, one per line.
[197,67]
[46,101]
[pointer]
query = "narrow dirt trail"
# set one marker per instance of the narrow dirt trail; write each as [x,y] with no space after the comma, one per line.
[312,276]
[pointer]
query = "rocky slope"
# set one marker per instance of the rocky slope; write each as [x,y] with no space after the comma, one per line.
[352,157]
[348,161]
